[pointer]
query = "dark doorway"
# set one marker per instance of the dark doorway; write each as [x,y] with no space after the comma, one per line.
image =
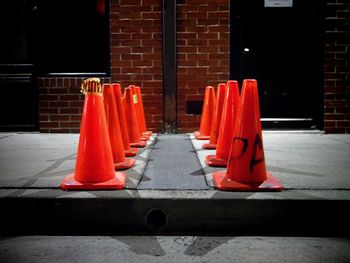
[19,104]
[281,47]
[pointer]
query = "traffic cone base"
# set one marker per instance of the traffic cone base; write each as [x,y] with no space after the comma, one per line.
[145,138]
[117,183]
[131,152]
[209,146]
[199,136]
[149,133]
[213,161]
[223,183]
[140,144]
[128,163]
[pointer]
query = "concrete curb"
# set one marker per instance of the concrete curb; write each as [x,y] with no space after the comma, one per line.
[312,213]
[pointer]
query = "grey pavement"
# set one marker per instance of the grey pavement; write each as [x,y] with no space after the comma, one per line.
[312,161]
[173,165]
[170,189]
[173,249]
[41,161]
[302,161]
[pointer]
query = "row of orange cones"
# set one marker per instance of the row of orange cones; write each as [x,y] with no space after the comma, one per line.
[112,125]
[232,124]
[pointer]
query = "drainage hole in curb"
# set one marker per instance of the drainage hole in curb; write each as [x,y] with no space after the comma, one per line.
[156,219]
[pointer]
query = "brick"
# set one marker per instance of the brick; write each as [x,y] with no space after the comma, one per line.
[152,84]
[197,70]
[334,117]
[218,56]
[335,89]
[151,15]
[152,70]
[48,111]
[131,56]
[193,28]
[208,49]
[330,130]
[75,117]
[218,15]
[69,97]
[44,97]
[151,29]
[149,43]
[218,28]
[131,70]
[207,22]
[152,56]
[208,35]
[341,109]
[69,111]
[59,118]
[76,104]
[197,56]
[50,124]
[329,124]
[121,49]
[58,104]
[70,124]
[52,82]
[141,50]
[58,90]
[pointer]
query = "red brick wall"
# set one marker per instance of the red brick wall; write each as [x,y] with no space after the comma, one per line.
[202,52]
[336,67]
[136,52]
[60,104]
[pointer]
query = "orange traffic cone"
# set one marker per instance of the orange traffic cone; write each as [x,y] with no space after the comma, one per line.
[228,120]
[122,121]
[115,136]
[142,120]
[131,119]
[246,170]
[94,167]
[215,127]
[207,115]
[144,137]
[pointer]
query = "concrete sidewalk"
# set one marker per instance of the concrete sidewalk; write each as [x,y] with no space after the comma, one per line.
[314,168]
[173,249]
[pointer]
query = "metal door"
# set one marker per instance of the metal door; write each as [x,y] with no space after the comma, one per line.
[19,102]
[281,47]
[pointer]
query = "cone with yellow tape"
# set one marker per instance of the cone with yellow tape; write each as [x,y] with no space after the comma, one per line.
[131,120]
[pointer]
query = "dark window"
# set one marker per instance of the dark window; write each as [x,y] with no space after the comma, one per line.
[72,36]
[194,107]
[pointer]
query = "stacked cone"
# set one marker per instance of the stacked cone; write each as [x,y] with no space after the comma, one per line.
[228,120]
[131,119]
[129,152]
[207,115]
[94,168]
[215,127]
[141,112]
[246,169]
[115,134]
